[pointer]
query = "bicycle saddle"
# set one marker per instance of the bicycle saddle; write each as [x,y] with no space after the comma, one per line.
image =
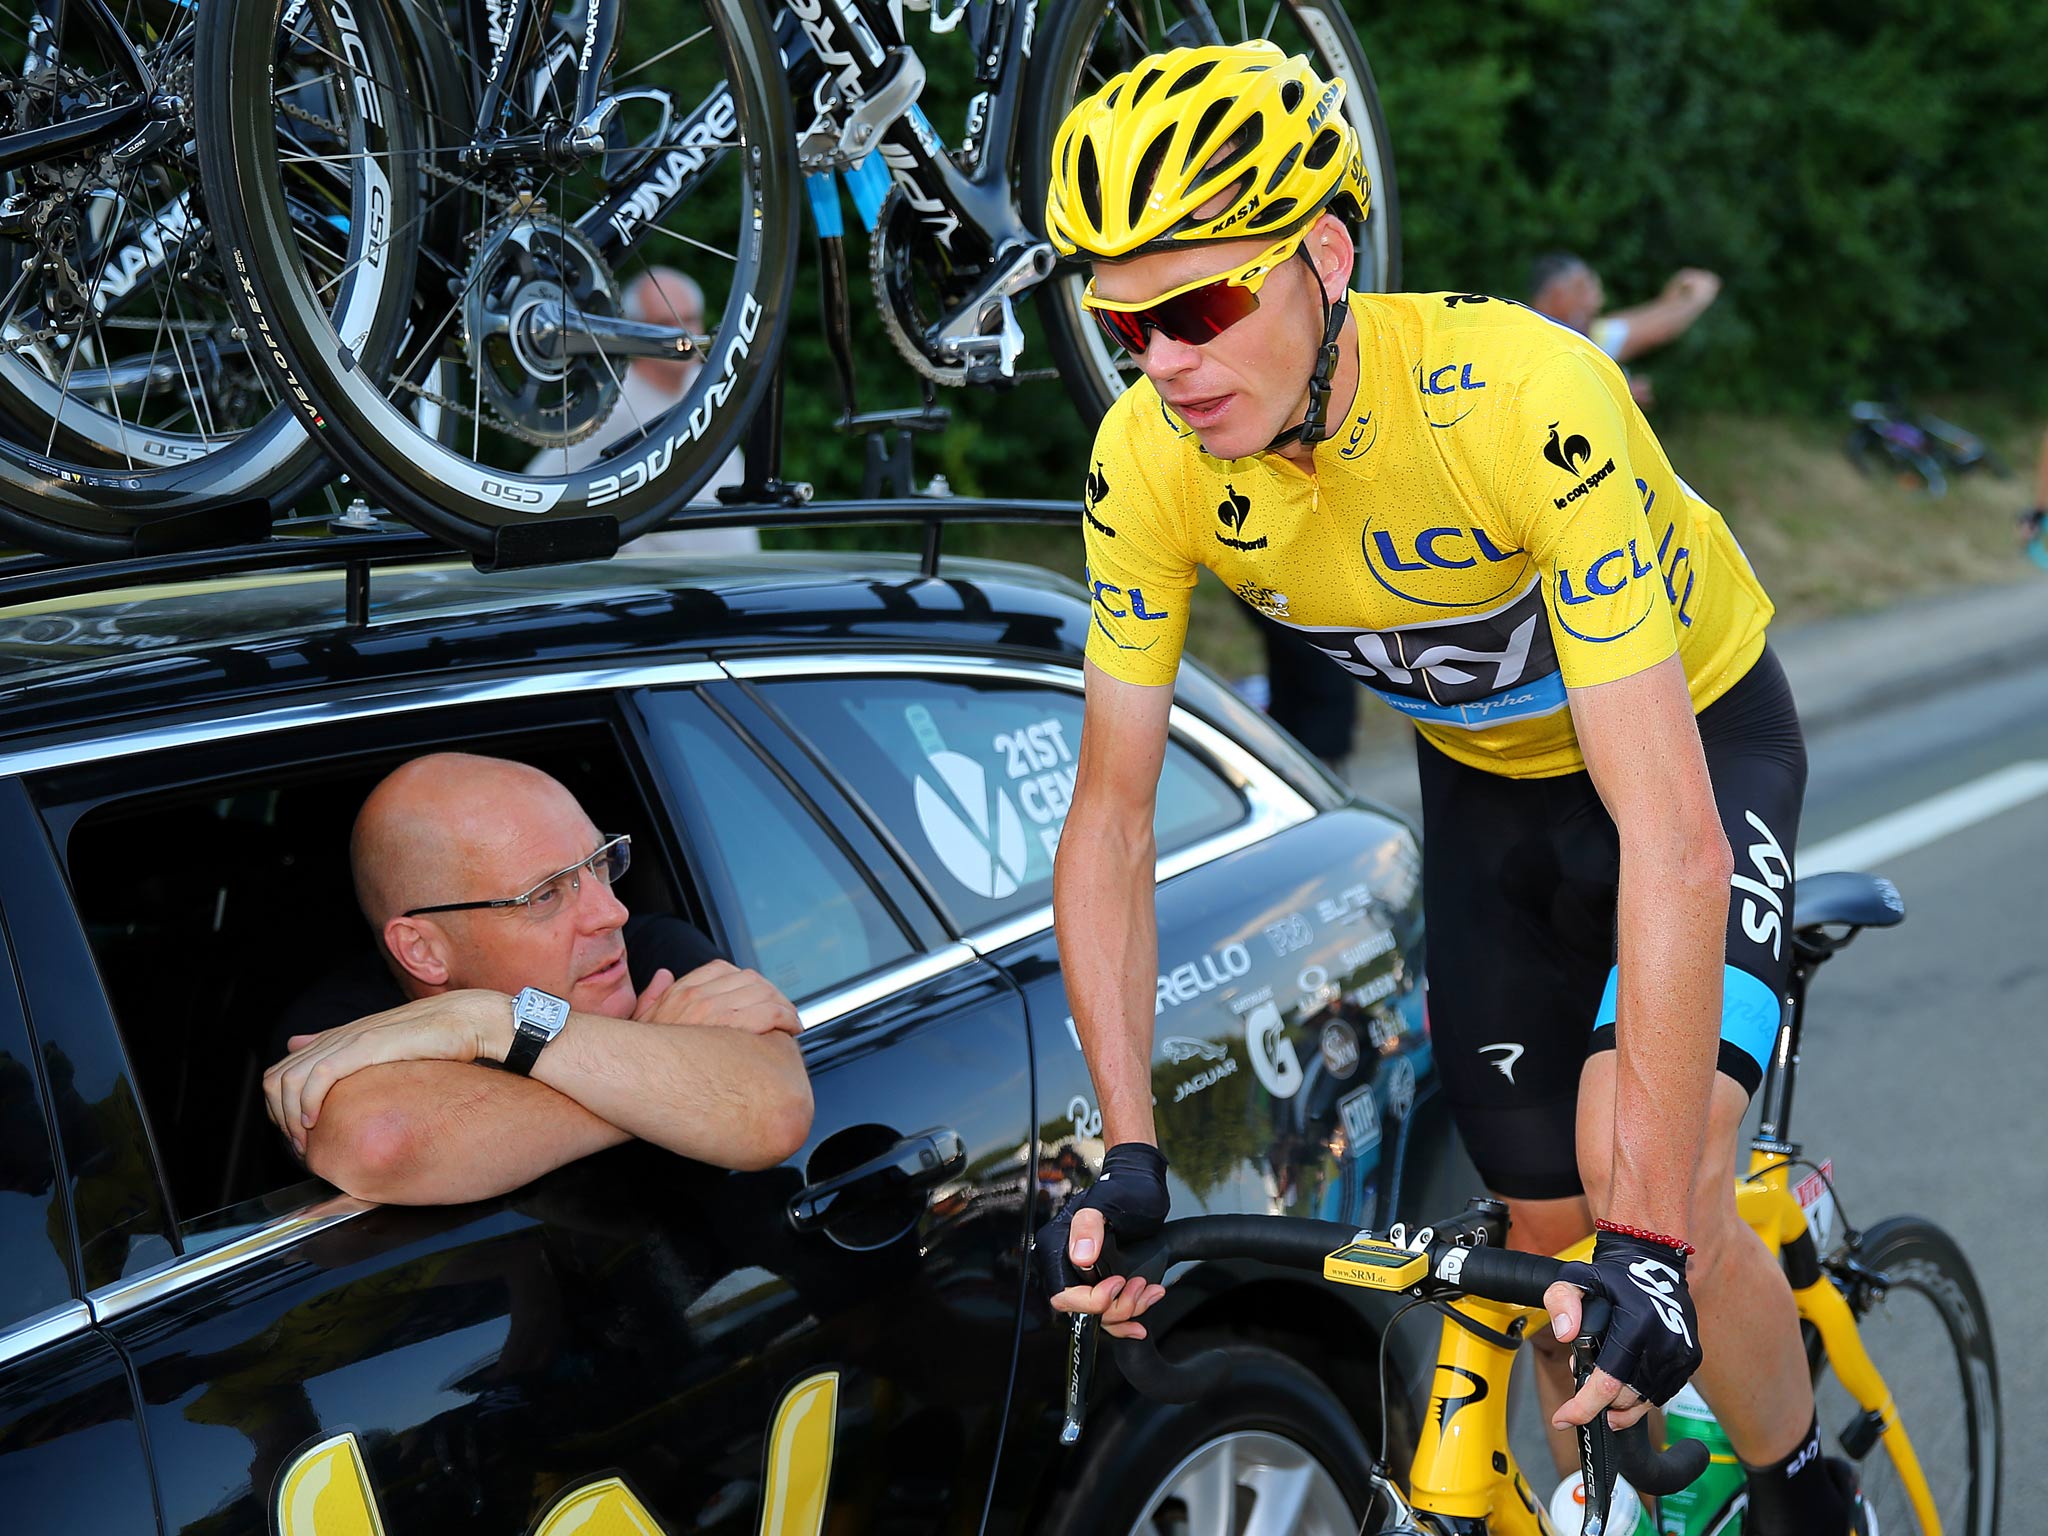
[1862,901]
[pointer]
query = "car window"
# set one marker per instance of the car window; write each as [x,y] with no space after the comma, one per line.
[33,1232]
[808,919]
[974,778]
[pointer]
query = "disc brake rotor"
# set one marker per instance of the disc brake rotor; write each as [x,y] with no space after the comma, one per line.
[535,391]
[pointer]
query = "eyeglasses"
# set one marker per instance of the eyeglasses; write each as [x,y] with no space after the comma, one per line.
[551,895]
[1194,313]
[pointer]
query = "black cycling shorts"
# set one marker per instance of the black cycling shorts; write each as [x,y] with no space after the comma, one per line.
[1519,881]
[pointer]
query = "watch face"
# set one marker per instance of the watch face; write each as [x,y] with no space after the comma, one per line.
[540,1009]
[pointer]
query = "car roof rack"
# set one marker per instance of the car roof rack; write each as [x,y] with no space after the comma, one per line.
[360,539]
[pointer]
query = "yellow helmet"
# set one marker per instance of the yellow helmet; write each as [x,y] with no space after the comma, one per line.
[1135,160]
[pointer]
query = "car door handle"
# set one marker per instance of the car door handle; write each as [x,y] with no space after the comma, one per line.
[915,1161]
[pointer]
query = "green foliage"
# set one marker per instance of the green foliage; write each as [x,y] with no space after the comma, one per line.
[1867,178]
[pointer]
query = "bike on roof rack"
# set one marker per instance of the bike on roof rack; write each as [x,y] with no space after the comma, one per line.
[585,154]
[133,412]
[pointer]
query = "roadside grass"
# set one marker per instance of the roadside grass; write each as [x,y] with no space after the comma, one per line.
[1824,538]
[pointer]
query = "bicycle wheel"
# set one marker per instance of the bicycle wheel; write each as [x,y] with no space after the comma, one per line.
[519,422]
[1924,1323]
[1090,42]
[132,411]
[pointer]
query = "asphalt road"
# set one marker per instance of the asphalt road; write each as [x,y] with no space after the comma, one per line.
[1925,1061]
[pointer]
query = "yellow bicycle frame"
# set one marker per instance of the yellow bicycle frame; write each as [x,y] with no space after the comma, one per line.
[1463,1467]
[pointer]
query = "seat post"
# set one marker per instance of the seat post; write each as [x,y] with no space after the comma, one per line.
[1774,1127]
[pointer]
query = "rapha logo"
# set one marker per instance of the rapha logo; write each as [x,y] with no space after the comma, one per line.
[1231,512]
[1659,1281]
[1569,455]
[1510,1054]
[1091,498]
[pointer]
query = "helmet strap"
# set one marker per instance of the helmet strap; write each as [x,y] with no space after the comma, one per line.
[1314,426]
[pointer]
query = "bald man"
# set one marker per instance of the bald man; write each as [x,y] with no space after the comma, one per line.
[482,878]
[1569,291]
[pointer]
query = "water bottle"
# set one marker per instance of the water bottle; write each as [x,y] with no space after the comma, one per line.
[1625,1515]
[1700,1509]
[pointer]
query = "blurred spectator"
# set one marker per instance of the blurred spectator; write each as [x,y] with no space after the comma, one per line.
[659,296]
[1566,289]
[2032,522]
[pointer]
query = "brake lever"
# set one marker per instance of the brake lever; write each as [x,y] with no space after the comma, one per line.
[1596,1442]
[1084,1337]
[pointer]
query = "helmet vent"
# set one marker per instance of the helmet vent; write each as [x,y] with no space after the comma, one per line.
[1276,212]
[1145,83]
[1325,146]
[1198,141]
[1192,78]
[1088,178]
[1280,171]
[1290,95]
[1147,172]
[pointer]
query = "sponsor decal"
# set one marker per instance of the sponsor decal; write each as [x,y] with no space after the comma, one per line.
[1205,1079]
[1605,576]
[1659,1281]
[1765,923]
[1242,213]
[1369,949]
[1358,445]
[1180,1048]
[1340,1048]
[1232,512]
[1273,1060]
[1376,990]
[1360,1116]
[1450,379]
[1571,455]
[1289,934]
[1349,905]
[971,824]
[1272,604]
[1404,563]
[1510,1053]
[1451,1267]
[1250,1000]
[1087,1119]
[1453,300]
[1447,1404]
[1107,595]
[1325,104]
[1400,1075]
[655,462]
[1466,673]
[1186,982]
[1092,493]
[711,128]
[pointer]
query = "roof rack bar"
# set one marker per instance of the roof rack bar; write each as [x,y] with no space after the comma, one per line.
[34,578]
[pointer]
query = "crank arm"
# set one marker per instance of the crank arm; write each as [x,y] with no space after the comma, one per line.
[558,332]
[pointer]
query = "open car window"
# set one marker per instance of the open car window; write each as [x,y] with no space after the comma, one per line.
[218,908]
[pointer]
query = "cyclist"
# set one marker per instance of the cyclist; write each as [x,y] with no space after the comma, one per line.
[1456,501]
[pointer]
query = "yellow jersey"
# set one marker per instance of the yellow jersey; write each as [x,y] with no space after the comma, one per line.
[1491,523]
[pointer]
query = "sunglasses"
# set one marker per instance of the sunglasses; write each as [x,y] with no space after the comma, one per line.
[1194,313]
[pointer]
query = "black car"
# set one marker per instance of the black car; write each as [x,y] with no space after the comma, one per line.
[850,773]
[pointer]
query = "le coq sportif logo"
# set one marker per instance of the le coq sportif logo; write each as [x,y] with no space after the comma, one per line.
[1232,512]
[1571,454]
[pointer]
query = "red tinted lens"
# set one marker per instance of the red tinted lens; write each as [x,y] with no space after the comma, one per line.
[1197,316]
[1203,314]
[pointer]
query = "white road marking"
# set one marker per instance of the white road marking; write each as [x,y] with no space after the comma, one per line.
[1872,844]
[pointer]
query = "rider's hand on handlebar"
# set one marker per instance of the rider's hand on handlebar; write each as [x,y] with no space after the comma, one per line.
[1129,1196]
[1652,1344]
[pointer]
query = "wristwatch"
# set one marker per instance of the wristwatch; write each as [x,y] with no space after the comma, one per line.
[537,1017]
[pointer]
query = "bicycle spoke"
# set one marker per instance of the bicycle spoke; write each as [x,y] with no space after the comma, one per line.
[1266,31]
[650,63]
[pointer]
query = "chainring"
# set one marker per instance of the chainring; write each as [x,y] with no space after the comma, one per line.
[914,275]
[539,401]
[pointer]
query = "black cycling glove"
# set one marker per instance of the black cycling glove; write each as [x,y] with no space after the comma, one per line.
[1131,1194]
[1652,1343]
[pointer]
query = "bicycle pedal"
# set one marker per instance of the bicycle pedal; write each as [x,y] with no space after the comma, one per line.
[1376,1266]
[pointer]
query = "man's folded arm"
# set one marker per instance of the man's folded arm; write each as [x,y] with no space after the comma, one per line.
[443,1132]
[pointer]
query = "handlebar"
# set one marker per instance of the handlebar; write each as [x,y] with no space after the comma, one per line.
[1487,1273]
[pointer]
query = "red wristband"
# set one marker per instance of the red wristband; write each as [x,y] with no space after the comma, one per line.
[1622,1229]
